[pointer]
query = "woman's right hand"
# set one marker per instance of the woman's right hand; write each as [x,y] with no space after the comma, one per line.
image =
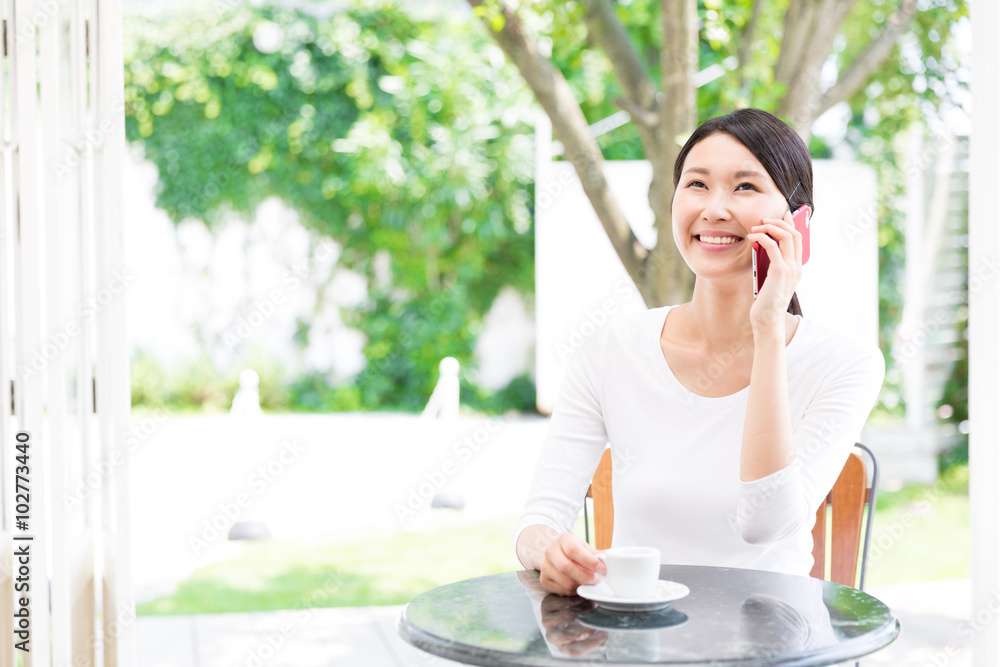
[568,563]
[560,618]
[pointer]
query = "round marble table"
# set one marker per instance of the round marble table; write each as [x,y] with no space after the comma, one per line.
[731,617]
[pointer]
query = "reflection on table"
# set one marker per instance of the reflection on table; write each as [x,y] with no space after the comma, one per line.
[732,615]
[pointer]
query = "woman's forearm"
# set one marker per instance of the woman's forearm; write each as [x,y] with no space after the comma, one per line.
[767,428]
[532,543]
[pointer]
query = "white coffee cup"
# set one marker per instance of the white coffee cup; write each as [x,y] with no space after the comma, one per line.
[632,572]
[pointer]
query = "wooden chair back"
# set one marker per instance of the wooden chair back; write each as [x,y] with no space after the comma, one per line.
[604,507]
[846,503]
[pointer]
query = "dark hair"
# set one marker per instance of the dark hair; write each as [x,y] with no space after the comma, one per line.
[776,146]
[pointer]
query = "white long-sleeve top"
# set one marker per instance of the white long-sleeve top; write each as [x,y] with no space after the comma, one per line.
[675,454]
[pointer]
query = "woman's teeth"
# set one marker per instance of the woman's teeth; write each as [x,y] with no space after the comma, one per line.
[721,240]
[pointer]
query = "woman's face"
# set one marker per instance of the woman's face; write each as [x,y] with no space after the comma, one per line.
[723,192]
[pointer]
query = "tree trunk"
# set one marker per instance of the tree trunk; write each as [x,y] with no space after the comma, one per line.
[670,275]
[581,149]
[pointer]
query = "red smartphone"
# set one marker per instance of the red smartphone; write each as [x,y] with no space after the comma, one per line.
[800,218]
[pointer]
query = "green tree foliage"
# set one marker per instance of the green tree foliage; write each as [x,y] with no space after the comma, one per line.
[388,134]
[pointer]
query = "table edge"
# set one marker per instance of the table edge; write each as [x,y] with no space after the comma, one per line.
[423,640]
[868,644]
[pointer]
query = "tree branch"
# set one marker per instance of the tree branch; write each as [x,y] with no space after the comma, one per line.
[642,117]
[610,34]
[640,93]
[813,33]
[861,70]
[571,128]
[810,29]
[745,49]
[792,40]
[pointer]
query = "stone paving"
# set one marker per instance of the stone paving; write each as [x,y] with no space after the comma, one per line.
[352,637]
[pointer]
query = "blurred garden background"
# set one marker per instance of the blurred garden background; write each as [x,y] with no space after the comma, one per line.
[338,195]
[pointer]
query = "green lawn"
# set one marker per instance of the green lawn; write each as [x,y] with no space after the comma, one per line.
[919,533]
[922,532]
[378,570]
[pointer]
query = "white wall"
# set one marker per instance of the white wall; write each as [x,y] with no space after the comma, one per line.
[188,286]
[235,290]
[580,283]
[506,346]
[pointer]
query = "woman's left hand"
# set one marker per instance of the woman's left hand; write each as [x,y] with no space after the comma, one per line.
[783,245]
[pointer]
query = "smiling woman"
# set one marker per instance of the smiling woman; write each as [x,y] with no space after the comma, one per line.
[739,412]
[769,160]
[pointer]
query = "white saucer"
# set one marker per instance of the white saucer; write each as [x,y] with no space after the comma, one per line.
[665,593]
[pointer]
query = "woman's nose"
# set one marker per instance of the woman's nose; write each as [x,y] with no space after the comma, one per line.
[717,207]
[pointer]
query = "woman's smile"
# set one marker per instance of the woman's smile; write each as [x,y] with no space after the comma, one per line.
[722,192]
[717,241]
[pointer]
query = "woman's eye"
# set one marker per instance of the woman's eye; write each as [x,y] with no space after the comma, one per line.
[694,184]
[749,185]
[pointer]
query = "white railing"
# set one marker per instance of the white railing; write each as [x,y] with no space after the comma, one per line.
[62,324]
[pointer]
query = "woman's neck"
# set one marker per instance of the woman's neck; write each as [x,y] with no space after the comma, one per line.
[719,314]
